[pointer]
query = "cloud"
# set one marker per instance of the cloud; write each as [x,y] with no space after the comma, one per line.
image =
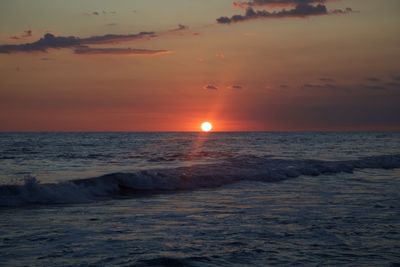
[44,43]
[347,10]
[236,86]
[303,10]
[255,3]
[26,34]
[99,13]
[117,51]
[51,41]
[115,38]
[299,8]
[181,27]
[210,87]
[374,85]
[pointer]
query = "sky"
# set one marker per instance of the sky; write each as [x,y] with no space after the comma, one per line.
[168,65]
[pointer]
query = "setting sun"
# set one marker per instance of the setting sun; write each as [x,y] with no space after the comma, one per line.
[206,126]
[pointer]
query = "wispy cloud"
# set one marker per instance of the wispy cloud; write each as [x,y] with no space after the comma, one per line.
[236,86]
[371,84]
[180,27]
[49,41]
[26,34]
[98,13]
[117,51]
[210,87]
[115,38]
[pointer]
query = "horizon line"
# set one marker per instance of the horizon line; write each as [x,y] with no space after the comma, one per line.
[211,132]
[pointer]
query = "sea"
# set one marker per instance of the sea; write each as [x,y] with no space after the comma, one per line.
[200,199]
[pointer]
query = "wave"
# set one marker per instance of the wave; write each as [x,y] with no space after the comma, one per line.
[241,168]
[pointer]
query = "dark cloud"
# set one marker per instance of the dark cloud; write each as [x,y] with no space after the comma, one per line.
[117,51]
[347,10]
[115,38]
[255,3]
[210,87]
[51,41]
[44,43]
[96,13]
[302,10]
[298,8]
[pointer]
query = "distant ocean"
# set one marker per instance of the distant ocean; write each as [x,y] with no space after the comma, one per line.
[196,199]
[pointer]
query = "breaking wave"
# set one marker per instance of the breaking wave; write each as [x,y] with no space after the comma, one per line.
[243,168]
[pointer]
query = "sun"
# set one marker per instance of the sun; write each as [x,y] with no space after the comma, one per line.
[206,126]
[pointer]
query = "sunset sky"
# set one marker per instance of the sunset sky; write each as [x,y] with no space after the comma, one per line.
[168,65]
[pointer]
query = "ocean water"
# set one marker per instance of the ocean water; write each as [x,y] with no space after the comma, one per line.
[195,199]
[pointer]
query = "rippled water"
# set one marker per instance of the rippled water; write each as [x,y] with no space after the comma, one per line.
[55,157]
[349,218]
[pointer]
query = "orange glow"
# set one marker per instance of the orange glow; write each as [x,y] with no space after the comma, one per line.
[206,126]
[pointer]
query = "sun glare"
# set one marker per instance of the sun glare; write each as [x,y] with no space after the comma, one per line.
[206,126]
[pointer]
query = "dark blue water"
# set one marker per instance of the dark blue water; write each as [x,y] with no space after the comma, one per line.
[188,199]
